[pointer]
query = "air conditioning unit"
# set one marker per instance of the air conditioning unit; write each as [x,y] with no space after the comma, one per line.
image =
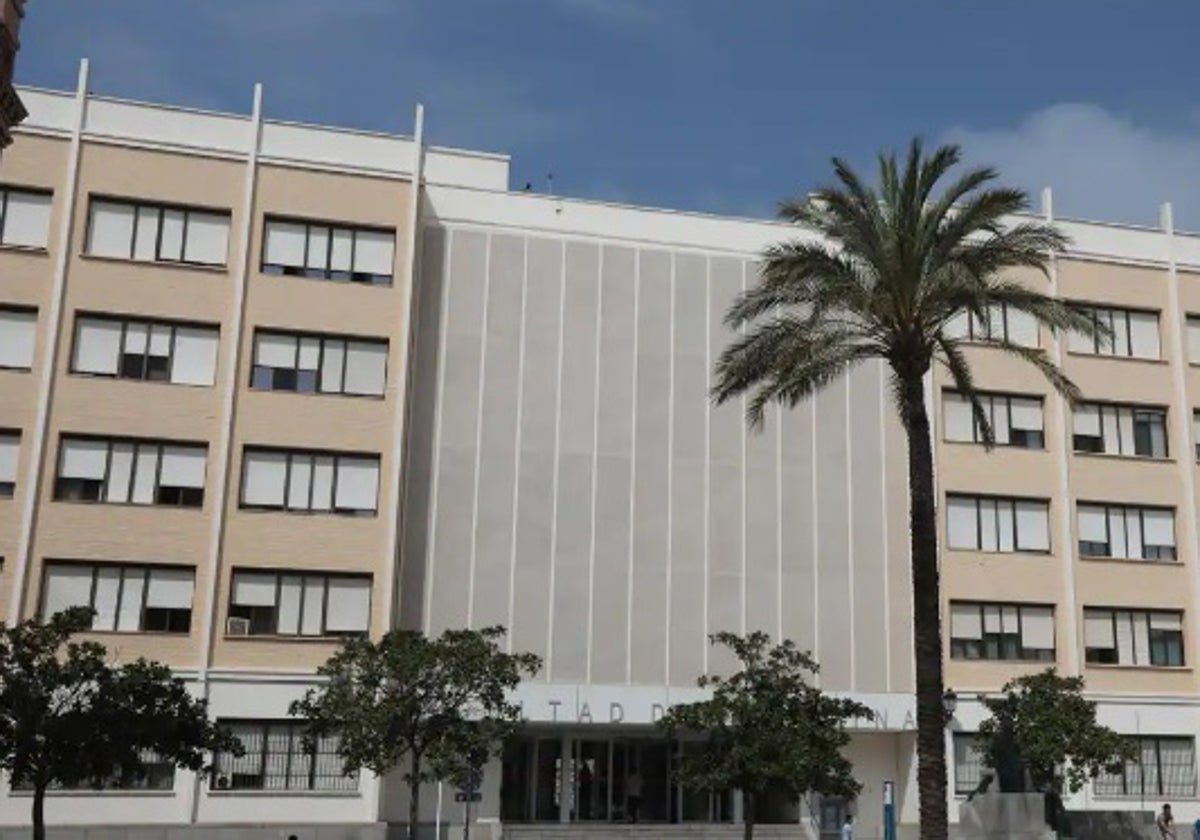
[222,782]
[237,626]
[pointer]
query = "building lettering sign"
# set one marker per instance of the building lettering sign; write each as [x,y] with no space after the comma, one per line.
[586,705]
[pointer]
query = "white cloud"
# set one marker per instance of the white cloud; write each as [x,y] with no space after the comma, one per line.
[1101,166]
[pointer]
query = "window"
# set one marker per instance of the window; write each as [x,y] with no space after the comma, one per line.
[24,218]
[157,233]
[301,604]
[1131,533]
[157,351]
[968,763]
[1013,632]
[1133,637]
[1196,432]
[328,252]
[1134,333]
[276,758]
[993,523]
[18,329]
[127,599]
[318,364]
[155,773]
[1111,429]
[1004,324]
[1165,767]
[1016,421]
[310,481]
[1193,334]
[130,471]
[10,449]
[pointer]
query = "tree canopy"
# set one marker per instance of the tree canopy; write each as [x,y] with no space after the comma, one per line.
[70,719]
[766,728]
[1055,730]
[435,707]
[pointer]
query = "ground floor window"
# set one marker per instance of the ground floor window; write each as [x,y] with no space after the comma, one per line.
[548,778]
[968,763]
[1165,767]
[277,758]
[153,773]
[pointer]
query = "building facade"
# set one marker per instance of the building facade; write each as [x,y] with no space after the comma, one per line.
[267,384]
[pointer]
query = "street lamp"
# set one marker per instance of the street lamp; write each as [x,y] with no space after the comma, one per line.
[949,704]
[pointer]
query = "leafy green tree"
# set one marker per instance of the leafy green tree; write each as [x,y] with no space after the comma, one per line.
[881,272]
[1055,731]
[766,728]
[68,718]
[437,707]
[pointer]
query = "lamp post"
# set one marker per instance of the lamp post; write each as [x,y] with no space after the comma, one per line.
[949,704]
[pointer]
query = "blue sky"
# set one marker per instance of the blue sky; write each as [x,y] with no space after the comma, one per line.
[712,105]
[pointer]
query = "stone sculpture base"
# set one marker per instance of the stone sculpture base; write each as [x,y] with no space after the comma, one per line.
[1001,816]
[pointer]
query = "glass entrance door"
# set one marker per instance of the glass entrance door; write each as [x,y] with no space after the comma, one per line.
[592,780]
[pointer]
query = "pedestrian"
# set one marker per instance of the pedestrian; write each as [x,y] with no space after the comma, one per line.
[1196,829]
[633,790]
[848,828]
[1166,824]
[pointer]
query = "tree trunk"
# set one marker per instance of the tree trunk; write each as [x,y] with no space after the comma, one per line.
[414,797]
[927,630]
[749,803]
[39,812]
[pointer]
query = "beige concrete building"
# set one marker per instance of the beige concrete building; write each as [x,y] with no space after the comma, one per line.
[265,384]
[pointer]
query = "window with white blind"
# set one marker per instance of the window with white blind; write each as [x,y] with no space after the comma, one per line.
[277,757]
[1003,324]
[125,598]
[1015,420]
[24,218]
[1132,333]
[1133,637]
[131,471]
[1134,431]
[1193,335]
[293,603]
[997,523]
[10,450]
[150,232]
[294,480]
[1196,432]
[1165,767]
[328,251]
[993,631]
[18,331]
[1125,531]
[315,364]
[155,351]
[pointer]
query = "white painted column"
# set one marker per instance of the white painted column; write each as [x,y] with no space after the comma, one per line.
[1176,325]
[222,455]
[51,331]
[404,372]
[1068,619]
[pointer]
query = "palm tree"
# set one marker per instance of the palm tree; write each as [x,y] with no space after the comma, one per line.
[892,268]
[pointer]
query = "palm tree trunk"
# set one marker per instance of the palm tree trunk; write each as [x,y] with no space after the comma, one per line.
[927,629]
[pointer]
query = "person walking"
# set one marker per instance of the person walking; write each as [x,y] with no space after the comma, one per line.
[1166,824]
[633,793]
[848,828]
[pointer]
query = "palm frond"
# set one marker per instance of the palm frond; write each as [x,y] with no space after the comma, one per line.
[964,382]
[1052,372]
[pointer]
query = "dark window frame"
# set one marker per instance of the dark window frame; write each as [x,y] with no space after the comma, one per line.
[992,400]
[312,454]
[1115,313]
[1111,656]
[18,309]
[1118,408]
[126,321]
[328,272]
[1090,548]
[1017,548]
[248,612]
[960,649]
[225,764]
[5,191]
[185,497]
[144,568]
[1118,786]
[161,207]
[323,339]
